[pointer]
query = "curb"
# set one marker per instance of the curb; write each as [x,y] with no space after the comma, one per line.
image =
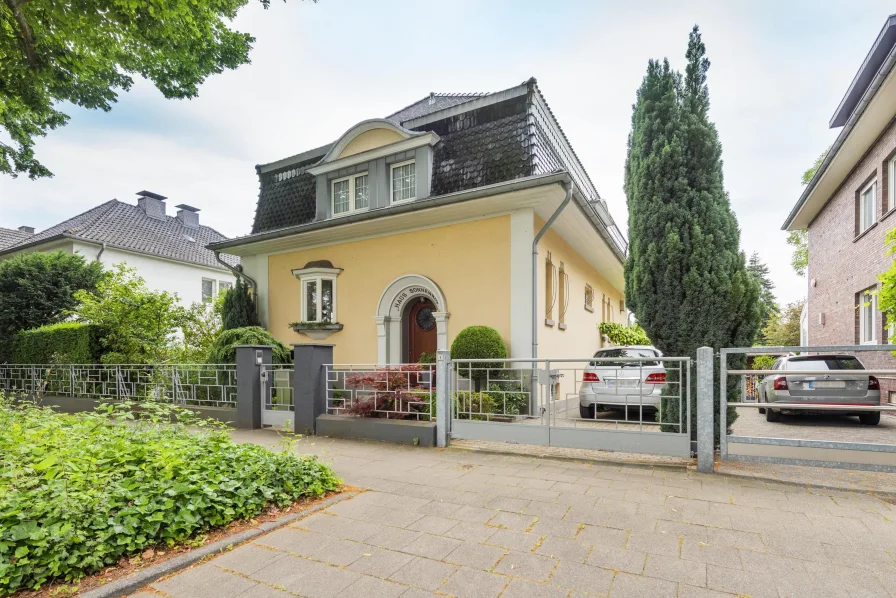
[621,463]
[131,583]
[882,494]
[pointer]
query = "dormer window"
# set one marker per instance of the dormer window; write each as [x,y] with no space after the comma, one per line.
[404,181]
[350,194]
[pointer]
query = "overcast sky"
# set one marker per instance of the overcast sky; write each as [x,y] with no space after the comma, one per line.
[779,69]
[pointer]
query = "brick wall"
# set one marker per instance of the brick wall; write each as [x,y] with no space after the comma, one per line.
[843,264]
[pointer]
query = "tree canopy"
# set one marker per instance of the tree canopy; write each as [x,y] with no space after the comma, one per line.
[39,288]
[767,302]
[799,239]
[85,53]
[686,278]
[783,329]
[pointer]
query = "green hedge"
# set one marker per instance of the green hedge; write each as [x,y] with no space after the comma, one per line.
[66,342]
[80,492]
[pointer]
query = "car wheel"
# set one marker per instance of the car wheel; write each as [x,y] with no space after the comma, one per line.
[870,418]
[586,412]
[772,416]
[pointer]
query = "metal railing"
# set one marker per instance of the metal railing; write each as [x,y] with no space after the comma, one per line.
[401,391]
[821,449]
[279,377]
[197,385]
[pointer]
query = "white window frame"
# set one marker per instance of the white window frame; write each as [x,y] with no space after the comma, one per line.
[873,187]
[352,199]
[214,289]
[891,184]
[316,276]
[224,282]
[392,168]
[866,296]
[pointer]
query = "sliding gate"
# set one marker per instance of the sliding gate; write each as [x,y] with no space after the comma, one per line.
[637,405]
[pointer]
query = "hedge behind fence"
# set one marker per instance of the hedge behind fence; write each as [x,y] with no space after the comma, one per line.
[66,342]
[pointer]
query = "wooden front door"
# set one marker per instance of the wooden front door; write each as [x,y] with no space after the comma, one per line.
[421,329]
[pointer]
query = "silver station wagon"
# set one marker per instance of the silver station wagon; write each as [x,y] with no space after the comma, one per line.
[821,388]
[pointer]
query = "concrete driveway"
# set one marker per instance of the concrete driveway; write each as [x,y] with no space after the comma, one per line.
[459,523]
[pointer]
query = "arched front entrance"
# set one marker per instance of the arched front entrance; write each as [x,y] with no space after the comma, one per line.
[411,318]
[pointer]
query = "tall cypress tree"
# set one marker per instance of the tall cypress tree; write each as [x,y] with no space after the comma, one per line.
[686,278]
[768,305]
[238,310]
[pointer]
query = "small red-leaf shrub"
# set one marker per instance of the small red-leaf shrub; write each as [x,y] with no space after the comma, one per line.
[405,392]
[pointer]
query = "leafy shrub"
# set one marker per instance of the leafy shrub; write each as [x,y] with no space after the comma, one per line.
[238,307]
[473,405]
[478,342]
[622,335]
[223,350]
[427,358]
[763,362]
[66,342]
[391,393]
[79,492]
[509,398]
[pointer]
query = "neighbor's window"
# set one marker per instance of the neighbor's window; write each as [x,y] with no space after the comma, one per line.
[223,286]
[867,206]
[891,184]
[563,295]
[404,181]
[350,194]
[208,289]
[867,308]
[589,297]
[550,290]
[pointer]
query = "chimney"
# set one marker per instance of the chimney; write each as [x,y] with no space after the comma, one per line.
[188,215]
[432,98]
[152,203]
[28,230]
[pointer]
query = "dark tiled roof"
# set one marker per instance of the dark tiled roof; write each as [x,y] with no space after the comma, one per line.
[286,197]
[127,227]
[432,103]
[11,236]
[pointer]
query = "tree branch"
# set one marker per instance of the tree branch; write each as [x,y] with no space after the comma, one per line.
[25,36]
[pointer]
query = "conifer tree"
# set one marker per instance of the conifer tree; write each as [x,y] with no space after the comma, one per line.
[686,278]
[238,310]
[768,305]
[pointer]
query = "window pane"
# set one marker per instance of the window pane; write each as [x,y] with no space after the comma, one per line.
[208,289]
[404,182]
[868,215]
[340,197]
[224,286]
[326,300]
[868,319]
[362,198]
[311,301]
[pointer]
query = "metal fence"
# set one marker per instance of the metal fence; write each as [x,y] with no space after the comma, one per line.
[196,385]
[401,391]
[805,429]
[281,396]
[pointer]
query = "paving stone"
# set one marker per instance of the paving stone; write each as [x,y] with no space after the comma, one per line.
[618,559]
[734,538]
[524,564]
[506,503]
[431,524]
[339,527]
[506,520]
[247,559]
[562,548]
[323,582]
[285,571]
[417,593]
[472,532]
[393,538]
[439,508]
[293,540]
[470,583]
[261,591]
[559,528]
[675,569]
[204,581]
[473,514]
[636,586]
[603,536]
[745,583]
[475,556]
[654,543]
[425,574]
[433,547]
[371,587]
[380,562]
[340,552]
[585,578]
[546,510]
[514,540]
[704,552]
[523,588]
[686,591]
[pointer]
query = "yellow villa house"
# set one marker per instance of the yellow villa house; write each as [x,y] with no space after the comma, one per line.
[458,210]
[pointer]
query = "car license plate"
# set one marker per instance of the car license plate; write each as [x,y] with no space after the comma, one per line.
[813,384]
[621,383]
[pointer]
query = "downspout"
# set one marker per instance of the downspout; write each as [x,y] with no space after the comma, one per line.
[238,272]
[99,254]
[570,189]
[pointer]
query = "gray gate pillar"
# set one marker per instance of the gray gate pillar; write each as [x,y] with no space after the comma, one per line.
[443,398]
[250,360]
[705,410]
[309,384]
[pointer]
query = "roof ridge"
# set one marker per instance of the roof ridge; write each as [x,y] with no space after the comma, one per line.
[100,212]
[440,95]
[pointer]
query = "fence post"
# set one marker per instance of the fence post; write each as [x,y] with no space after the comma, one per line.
[443,398]
[309,385]
[705,410]
[250,359]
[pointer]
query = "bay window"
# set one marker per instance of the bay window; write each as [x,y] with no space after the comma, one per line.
[318,293]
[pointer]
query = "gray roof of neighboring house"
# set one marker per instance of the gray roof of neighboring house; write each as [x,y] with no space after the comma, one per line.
[127,227]
[11,236]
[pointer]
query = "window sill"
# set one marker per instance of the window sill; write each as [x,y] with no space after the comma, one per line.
[549,322]
[351,213]
[561,326]
[316,331]
[888,213]
[864,232]
[589,308]
[401,201]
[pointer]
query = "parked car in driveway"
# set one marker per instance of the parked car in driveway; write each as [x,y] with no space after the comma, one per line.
[821,388]
[609,385]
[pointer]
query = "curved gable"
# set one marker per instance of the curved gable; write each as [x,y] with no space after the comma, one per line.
[369,140]
[365,136]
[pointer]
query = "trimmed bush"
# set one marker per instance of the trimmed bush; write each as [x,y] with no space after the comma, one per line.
[66,342]
[223,350]
[478,342]
[80,492]
[621,335]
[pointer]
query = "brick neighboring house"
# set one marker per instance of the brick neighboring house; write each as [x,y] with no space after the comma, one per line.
[848,209]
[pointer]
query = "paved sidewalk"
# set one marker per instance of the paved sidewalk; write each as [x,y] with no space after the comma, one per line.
[463,523]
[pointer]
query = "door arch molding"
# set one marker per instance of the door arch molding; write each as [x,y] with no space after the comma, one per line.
[389,311]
